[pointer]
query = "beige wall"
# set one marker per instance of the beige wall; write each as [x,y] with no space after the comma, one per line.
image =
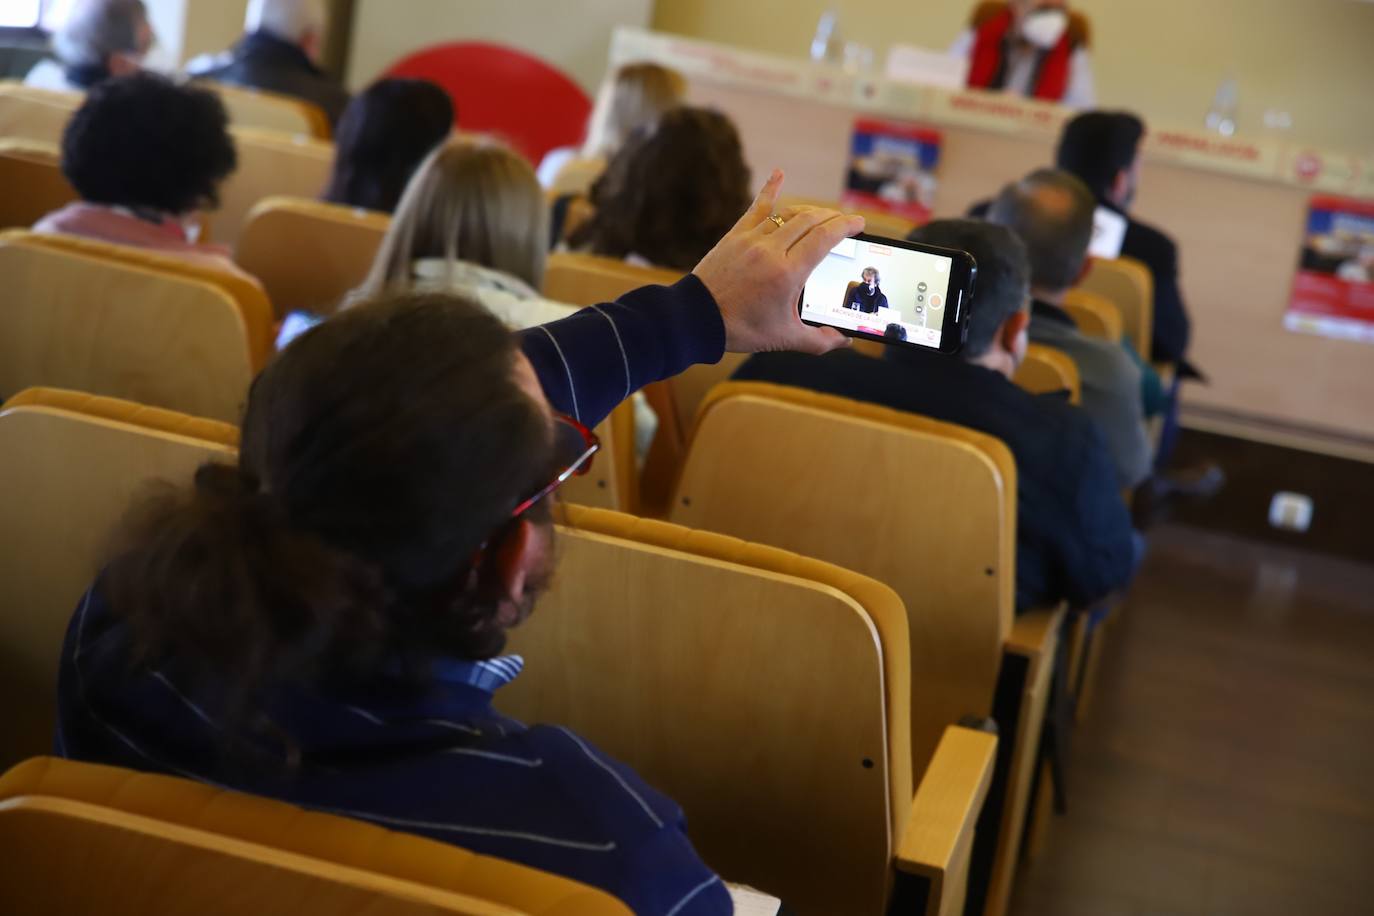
[1163,58]
[574,35]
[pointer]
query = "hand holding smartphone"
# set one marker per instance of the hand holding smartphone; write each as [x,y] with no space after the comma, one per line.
[895,292]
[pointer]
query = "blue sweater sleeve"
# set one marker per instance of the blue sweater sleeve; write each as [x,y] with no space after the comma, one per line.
[591,361]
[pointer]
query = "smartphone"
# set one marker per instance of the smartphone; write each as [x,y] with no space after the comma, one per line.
[894,292]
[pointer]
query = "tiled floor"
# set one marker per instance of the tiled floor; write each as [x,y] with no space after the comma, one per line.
[1227,766]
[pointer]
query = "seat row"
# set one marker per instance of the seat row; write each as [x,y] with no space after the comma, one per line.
[791,752]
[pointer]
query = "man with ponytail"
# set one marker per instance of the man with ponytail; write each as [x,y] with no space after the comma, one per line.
[323,622]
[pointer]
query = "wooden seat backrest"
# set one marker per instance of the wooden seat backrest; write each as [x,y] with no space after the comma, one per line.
[90,324]
[252,302]
[588,279]
[309,254]
[265,110]
[89,840]
[35,114]
[270,165]
[65,481]
[765,692]
[1129,285]
[1096,316]
[876,222]
[1046,370]
[927,507]
[31,182]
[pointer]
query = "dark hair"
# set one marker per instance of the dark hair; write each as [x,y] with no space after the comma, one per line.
[385,133]
[895,331]
[148,144]
[1003,273]
[344,539]
[1097,145]
[1052,212]
[671,192]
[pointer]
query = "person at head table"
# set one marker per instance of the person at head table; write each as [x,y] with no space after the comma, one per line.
[1034,48]
[867,296]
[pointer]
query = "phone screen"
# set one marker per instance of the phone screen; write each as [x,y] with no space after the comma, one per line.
[881,288]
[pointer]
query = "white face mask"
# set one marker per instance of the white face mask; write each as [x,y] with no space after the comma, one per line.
[1044,28]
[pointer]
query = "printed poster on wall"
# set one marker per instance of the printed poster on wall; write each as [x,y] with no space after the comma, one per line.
[892,168]
[1333,293]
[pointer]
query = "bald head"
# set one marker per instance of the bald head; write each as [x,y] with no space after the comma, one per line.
[1052,212]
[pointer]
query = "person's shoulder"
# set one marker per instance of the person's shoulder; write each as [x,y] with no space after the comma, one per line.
[799,368]
[1147,239]
[625,804]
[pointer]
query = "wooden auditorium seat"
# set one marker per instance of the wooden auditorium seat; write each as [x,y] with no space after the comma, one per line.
[273,111]
[1046,370]
[87,840]
[66,478]
[876,222]
[75,320]
[1096,316]
[925,506]
[248,296]
[1129,285]
[309,254]
[270,165]
[768,694]
[31,182]
[38,115]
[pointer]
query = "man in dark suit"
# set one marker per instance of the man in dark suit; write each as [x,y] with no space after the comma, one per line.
[1103,149]
[867,297]
[277,54]
[1074,537]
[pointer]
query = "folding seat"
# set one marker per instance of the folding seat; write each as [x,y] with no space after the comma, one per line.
[31,183]
[928,508]
[1096,315]
[88,840]
[70,467]
[308,254]
[273,111]
[1046,369]
[92,322]
[769,695]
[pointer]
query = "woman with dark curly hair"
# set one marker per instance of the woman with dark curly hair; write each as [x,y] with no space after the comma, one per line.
[670,193]
[146,155]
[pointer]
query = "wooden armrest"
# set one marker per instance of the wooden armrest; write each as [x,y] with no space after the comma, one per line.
[938,840]
[1033,633]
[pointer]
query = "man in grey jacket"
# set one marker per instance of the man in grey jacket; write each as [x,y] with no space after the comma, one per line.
[1052,212]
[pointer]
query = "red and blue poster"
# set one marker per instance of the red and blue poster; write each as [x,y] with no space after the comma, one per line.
[892,168]
[1333,293]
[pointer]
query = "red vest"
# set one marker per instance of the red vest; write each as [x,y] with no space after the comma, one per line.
[989,51]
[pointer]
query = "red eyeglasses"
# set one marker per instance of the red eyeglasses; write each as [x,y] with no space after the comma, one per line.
[570,438]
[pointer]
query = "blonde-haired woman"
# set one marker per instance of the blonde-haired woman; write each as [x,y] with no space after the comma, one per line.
[473,221]
[636,96]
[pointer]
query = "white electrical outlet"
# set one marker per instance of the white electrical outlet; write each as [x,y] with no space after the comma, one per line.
[1291,512]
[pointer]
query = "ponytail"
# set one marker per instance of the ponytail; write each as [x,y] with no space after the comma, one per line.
[216,577]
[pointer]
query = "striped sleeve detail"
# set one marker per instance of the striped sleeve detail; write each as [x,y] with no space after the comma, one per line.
[572,388]
[624,357]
